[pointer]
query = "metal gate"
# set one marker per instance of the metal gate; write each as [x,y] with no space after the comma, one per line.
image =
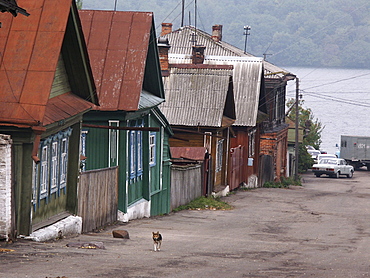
[236,167]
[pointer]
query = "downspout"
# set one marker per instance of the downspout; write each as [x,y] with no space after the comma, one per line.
[36,144]
[38,130]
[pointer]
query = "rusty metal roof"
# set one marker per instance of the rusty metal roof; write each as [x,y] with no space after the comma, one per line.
[65,106]
[197,96]
[183,39]
[29,52]
[118,44]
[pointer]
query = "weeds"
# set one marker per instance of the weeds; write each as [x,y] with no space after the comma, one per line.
[284,183]
[203,203]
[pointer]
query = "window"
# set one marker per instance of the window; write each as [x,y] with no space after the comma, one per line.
[136,150]
[113,144]
[83,149]
[63,163]
[54,167]
[44,175]
[152,153]
[50,175]
[219,155]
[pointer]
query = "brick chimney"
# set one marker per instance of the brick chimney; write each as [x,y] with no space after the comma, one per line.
[198,54]
[163,47]
[166,29]
[217,33]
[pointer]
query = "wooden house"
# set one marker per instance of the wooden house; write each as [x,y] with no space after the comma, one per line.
[200,109]
[127,129]
[46,87]
[259,89]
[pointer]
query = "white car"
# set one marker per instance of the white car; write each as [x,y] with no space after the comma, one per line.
[326,155]
[314,153]
[333,167]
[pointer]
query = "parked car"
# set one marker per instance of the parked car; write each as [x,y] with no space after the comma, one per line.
[323,156]
[314,153]
[333,167]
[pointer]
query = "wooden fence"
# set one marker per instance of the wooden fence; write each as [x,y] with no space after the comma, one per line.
[98,198]
[186,184]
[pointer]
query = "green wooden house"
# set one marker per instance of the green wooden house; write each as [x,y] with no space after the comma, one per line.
[127,129]
[47,85]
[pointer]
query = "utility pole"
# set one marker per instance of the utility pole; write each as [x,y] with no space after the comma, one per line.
[296,145]
[247,29]
[182,13]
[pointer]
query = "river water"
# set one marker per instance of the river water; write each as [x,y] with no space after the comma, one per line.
[338,98]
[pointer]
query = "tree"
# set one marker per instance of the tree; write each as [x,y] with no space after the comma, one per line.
[312,133]
[79,4]
[312,127]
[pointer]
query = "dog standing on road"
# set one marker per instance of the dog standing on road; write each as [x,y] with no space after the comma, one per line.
[157,238]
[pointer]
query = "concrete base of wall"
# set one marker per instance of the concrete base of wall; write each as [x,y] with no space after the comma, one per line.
[72,225]
[140,209]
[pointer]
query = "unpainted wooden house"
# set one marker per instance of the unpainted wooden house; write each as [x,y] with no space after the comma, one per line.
[46,87]
[259,89]
[200,109]
[127,129]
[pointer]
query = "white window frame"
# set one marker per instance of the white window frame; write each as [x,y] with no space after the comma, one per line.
[54,165]
[136,150]
[152,149]
[113,143]
[44,172]
[63,162]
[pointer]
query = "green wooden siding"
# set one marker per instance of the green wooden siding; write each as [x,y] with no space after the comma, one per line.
[60,83]
[148,185]
[97,148]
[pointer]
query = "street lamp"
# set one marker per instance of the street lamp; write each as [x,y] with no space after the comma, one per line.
[286,78]
[247,29]
[296,145]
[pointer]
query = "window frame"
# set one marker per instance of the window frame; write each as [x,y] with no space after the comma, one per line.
[152,149]
[219,155]
[135,149]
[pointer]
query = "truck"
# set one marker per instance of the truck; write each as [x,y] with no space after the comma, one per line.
[355,150]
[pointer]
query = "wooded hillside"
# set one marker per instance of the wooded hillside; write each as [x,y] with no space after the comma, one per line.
[318,33]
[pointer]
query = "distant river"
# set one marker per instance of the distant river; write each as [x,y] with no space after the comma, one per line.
[338,98]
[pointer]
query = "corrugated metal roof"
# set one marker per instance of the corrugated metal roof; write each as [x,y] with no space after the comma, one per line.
[148,100]
[118,47]
[196,96]
[183,39]
[30,48]
[247,74]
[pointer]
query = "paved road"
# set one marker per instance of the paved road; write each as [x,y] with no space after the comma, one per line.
[321,229]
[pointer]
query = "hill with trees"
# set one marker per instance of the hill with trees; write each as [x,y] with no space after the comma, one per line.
[317,33]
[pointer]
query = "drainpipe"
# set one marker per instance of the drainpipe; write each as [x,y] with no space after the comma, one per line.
[38,130]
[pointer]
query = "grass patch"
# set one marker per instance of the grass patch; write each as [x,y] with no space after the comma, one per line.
[284,183]
[203,203]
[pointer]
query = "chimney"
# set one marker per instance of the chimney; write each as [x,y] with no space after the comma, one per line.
[163,47]
[166,29]
[198,54]
[217,33]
